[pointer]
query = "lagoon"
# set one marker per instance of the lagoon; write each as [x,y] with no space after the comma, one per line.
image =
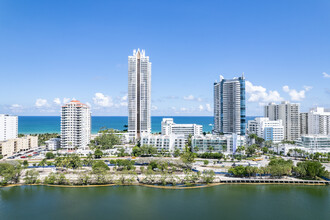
[140,202]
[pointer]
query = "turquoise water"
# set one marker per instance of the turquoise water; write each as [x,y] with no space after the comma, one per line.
[271,202]
[51,124]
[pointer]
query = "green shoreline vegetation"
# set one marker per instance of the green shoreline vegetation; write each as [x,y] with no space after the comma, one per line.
[70,171]
[73,170]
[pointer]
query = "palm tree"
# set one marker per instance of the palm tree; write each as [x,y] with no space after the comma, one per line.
[196,149]
[43,163]
[210,149]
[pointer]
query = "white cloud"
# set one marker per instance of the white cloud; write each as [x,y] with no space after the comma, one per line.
[41,103]
[189,97]
[66,100]
[307,88]
[183,109]
[325,75]
[102,100]
[208,107]
[57,101]
[201,107]
[123,104]
[88,104]
[296,95]
[261,95]
[192,98]
[16,108]
[124,98]
[154,108]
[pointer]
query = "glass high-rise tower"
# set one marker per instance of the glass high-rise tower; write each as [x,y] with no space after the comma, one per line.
[139,94]
[229,106]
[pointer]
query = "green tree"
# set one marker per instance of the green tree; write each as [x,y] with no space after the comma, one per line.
[25,164]
[31,177]
[136,151]
[106,140]
[100,167]
[239,171]
[310,169]
[98,153]
[208,176]
[50,155]
[43,163]
[264,150]
[188,157]
[9,173]
[206,162]
[251,150]
[176,152]
[89,160]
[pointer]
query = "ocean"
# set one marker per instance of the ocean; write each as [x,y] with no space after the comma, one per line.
[52,124]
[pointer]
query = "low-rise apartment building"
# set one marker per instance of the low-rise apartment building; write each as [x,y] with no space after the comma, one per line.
[10,147]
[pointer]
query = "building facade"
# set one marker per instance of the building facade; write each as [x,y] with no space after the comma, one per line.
[229,106]
[217,143]
[289,113]
[169,128]
[319,121]
[303,123]
[8,127]
[167,142]
[13,146]
[53,144]
[266,129]
[139,95]
[75,125]
[314,141]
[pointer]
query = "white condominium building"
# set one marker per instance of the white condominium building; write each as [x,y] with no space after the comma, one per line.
[217,143]
[139,95]
[169,128]
[319,121]
[289,114]
[267,129]
[229,106]
[53,144]
[208,143]
[8,127]
[167,142]
[75,125]
[315,141]
[12,146]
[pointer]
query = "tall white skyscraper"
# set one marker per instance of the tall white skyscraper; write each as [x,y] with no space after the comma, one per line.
[289,114]
[229,106]
[139,94]
[8,127]
[75,125]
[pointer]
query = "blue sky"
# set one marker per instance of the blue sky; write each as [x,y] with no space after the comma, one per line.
[53,51]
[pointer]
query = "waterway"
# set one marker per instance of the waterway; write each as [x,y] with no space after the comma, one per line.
[140,202]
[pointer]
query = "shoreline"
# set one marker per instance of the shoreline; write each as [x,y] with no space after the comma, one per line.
[164,187]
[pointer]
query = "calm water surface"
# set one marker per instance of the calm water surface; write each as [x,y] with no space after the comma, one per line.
[136,202]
